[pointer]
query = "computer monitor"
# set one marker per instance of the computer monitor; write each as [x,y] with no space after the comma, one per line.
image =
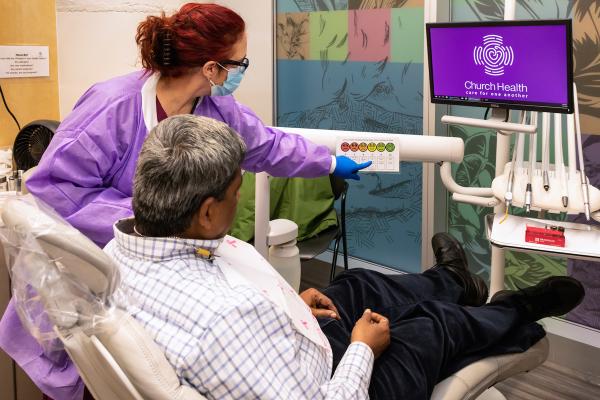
[524,65]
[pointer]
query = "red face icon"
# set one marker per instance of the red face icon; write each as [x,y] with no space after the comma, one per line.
[345,147]
[354,146]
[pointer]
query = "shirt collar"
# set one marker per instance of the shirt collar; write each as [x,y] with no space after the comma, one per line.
[158,248]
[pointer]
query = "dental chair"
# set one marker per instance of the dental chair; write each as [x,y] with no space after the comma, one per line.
[77,285]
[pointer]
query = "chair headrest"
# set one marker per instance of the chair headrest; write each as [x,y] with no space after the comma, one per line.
[77,255]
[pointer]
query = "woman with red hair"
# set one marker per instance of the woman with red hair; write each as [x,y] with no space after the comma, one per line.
[193,60]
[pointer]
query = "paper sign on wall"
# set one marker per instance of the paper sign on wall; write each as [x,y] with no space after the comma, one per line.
[385,154]
[24,61]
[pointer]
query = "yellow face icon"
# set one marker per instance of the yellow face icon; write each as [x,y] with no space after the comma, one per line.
[372,146]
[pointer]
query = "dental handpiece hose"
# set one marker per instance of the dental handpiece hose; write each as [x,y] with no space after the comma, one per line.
[545,150]
[532,162]
[508,196]
[584,181]
[558,159]
[571,153]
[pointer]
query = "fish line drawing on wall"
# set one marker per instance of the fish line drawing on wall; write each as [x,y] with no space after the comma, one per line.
[403,198]
[365,224]
[357,112]
[409,187]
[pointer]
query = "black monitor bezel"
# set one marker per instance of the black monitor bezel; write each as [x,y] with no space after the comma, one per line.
[507,104]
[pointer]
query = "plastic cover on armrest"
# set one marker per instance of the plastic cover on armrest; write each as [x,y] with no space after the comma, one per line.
[59,277]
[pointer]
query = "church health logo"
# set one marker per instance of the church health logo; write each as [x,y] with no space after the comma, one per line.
[493,55]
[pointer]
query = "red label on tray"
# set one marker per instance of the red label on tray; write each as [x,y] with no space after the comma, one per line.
[552,236]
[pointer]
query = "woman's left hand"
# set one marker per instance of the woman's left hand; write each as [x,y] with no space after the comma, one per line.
[320,305]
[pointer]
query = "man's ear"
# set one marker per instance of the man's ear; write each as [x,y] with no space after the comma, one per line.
[205,214]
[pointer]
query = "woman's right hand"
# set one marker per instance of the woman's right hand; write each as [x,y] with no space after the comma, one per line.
[374,330]
[347,168]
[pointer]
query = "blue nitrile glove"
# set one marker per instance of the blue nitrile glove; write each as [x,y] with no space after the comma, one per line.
[347,168]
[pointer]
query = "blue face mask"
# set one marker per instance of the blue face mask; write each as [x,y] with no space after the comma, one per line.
[234,78]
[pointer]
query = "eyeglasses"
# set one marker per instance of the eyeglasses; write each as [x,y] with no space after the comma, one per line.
[242,65]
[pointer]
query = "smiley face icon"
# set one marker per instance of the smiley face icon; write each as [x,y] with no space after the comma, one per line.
[362,147]
[380,146]
[372,146]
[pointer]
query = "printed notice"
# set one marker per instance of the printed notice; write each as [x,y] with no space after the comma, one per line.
[24,61]
[385,154]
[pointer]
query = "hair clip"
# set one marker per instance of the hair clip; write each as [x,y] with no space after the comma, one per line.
[166,50]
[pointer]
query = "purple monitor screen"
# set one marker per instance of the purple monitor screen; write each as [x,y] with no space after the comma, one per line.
[509,64]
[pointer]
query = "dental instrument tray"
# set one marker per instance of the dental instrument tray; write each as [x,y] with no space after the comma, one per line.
[580,241]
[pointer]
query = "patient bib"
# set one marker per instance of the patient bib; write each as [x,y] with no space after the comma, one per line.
[243,265]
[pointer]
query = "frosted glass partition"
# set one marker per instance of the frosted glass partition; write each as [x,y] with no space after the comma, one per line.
[358,65]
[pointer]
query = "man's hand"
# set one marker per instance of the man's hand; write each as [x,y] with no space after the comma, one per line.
[320,305]
[374,330]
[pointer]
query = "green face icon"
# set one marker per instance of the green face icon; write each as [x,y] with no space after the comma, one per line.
[390,147]
[380,146]
[372,146]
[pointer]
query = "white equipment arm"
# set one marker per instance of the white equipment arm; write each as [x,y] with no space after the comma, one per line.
[415,148]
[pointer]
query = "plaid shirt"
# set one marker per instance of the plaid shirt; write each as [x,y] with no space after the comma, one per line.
[227,342]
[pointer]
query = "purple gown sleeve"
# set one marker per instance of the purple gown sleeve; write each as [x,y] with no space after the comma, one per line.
[272,150]
[71,178]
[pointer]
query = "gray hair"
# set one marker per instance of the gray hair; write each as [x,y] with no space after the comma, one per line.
[184,160]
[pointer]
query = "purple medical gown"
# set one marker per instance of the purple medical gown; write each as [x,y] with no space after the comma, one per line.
[86,174]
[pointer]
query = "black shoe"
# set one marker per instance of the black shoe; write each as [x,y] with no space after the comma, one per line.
[450,255]
[552,297]
[448,251]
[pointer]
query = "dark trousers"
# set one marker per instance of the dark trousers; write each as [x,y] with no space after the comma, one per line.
[431,335]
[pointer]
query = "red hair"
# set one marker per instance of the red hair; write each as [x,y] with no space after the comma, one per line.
[194,35]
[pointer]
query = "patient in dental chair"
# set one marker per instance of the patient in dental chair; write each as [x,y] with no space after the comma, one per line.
[233,328]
